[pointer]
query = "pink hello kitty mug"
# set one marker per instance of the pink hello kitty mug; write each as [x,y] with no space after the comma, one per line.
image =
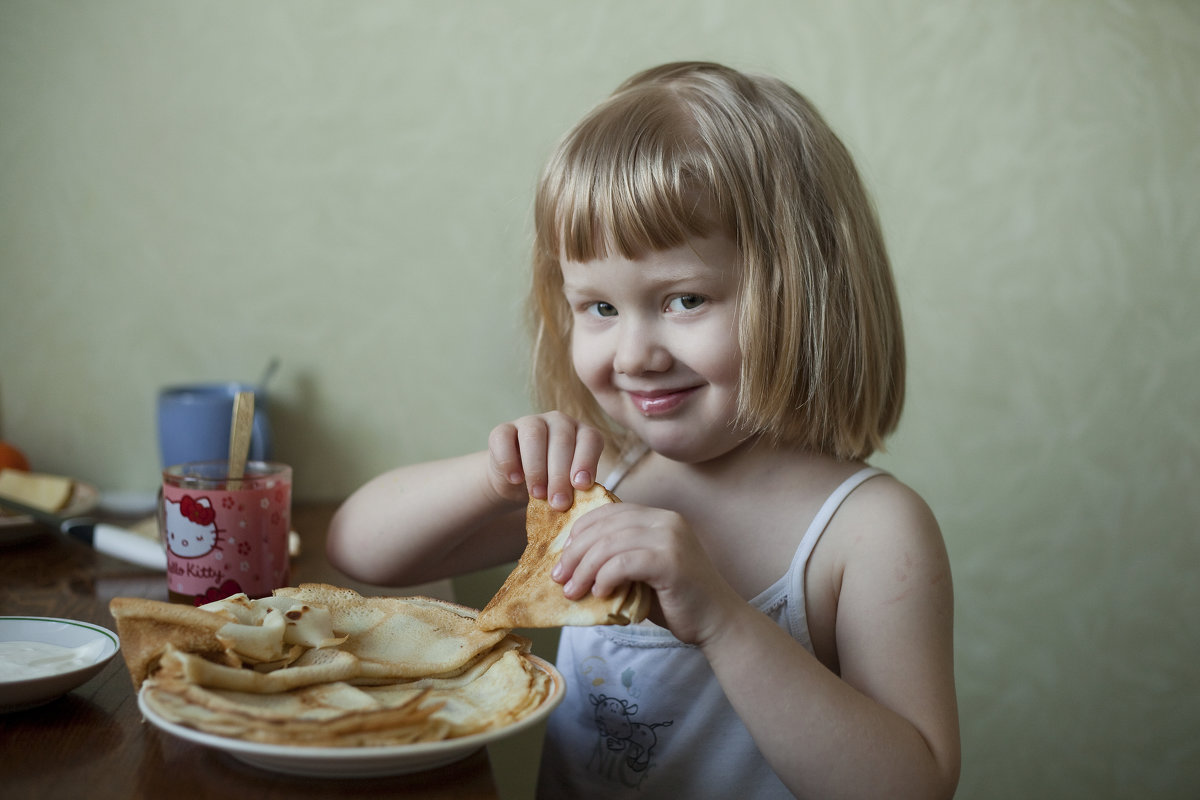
[225,536]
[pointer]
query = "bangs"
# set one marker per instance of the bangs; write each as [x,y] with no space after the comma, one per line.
[632,177]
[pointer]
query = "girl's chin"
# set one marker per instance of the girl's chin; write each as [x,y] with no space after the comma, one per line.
[685,443]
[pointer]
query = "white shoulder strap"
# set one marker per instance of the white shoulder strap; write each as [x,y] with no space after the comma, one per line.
[796,613]
[626,463]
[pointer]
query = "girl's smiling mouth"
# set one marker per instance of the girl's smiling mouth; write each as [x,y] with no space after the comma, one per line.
[660,402]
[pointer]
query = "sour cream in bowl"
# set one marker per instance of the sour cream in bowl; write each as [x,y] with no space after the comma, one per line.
[43,658]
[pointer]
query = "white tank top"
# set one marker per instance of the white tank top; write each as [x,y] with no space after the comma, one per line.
[644,716]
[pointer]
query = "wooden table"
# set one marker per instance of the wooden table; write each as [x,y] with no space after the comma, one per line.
[93,744]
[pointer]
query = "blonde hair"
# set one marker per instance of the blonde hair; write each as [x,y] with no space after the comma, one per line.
[695,149]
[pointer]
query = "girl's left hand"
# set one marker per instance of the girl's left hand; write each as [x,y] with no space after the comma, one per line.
[622,542]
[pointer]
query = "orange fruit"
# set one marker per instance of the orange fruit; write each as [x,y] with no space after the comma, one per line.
[12,458]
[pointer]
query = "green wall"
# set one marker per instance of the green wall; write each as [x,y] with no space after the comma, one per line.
[190,188]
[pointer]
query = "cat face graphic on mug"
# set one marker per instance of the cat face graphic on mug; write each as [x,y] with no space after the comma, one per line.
[191,527]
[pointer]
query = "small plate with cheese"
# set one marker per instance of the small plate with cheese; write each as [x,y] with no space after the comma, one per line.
[54,493]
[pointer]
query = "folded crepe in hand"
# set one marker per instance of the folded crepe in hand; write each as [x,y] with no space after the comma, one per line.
[530,598]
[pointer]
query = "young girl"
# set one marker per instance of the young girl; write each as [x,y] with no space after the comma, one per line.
[718,332]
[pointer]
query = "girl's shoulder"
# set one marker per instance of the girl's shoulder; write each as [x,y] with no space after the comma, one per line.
[884,527]
[879,570]
[886,503]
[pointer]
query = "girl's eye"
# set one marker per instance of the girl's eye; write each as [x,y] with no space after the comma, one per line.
[602,309]
[686,302]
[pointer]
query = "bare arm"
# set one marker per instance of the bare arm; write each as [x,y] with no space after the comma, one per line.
[887,725]
[439,519]
[425,522]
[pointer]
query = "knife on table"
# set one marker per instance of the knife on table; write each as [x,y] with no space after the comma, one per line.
[108,539]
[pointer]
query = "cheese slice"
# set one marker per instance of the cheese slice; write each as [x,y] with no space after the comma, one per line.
[530,598]
[47,492]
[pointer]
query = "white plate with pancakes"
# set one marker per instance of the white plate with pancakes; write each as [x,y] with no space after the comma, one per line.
[360,761]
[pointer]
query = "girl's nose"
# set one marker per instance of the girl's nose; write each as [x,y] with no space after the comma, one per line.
[640,351]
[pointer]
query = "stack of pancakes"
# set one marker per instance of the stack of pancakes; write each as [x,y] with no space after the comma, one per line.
[321,666]
[399,669]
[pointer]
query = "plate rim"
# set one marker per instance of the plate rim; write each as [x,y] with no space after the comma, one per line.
[111,635]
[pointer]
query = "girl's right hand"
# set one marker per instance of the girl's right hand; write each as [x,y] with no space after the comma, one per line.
[546,456]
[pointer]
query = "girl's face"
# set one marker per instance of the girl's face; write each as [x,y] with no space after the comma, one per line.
[655,341]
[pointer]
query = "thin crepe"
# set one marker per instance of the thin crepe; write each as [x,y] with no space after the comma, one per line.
[500,690]
[289,640]
[530,598]
[148,627]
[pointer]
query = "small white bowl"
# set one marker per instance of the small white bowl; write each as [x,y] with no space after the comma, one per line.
[26,692]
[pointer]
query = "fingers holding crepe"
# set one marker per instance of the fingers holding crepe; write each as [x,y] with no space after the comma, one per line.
[657,546]
[544,456]
[530,597]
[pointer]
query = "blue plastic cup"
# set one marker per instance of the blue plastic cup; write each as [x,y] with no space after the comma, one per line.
[194,422]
